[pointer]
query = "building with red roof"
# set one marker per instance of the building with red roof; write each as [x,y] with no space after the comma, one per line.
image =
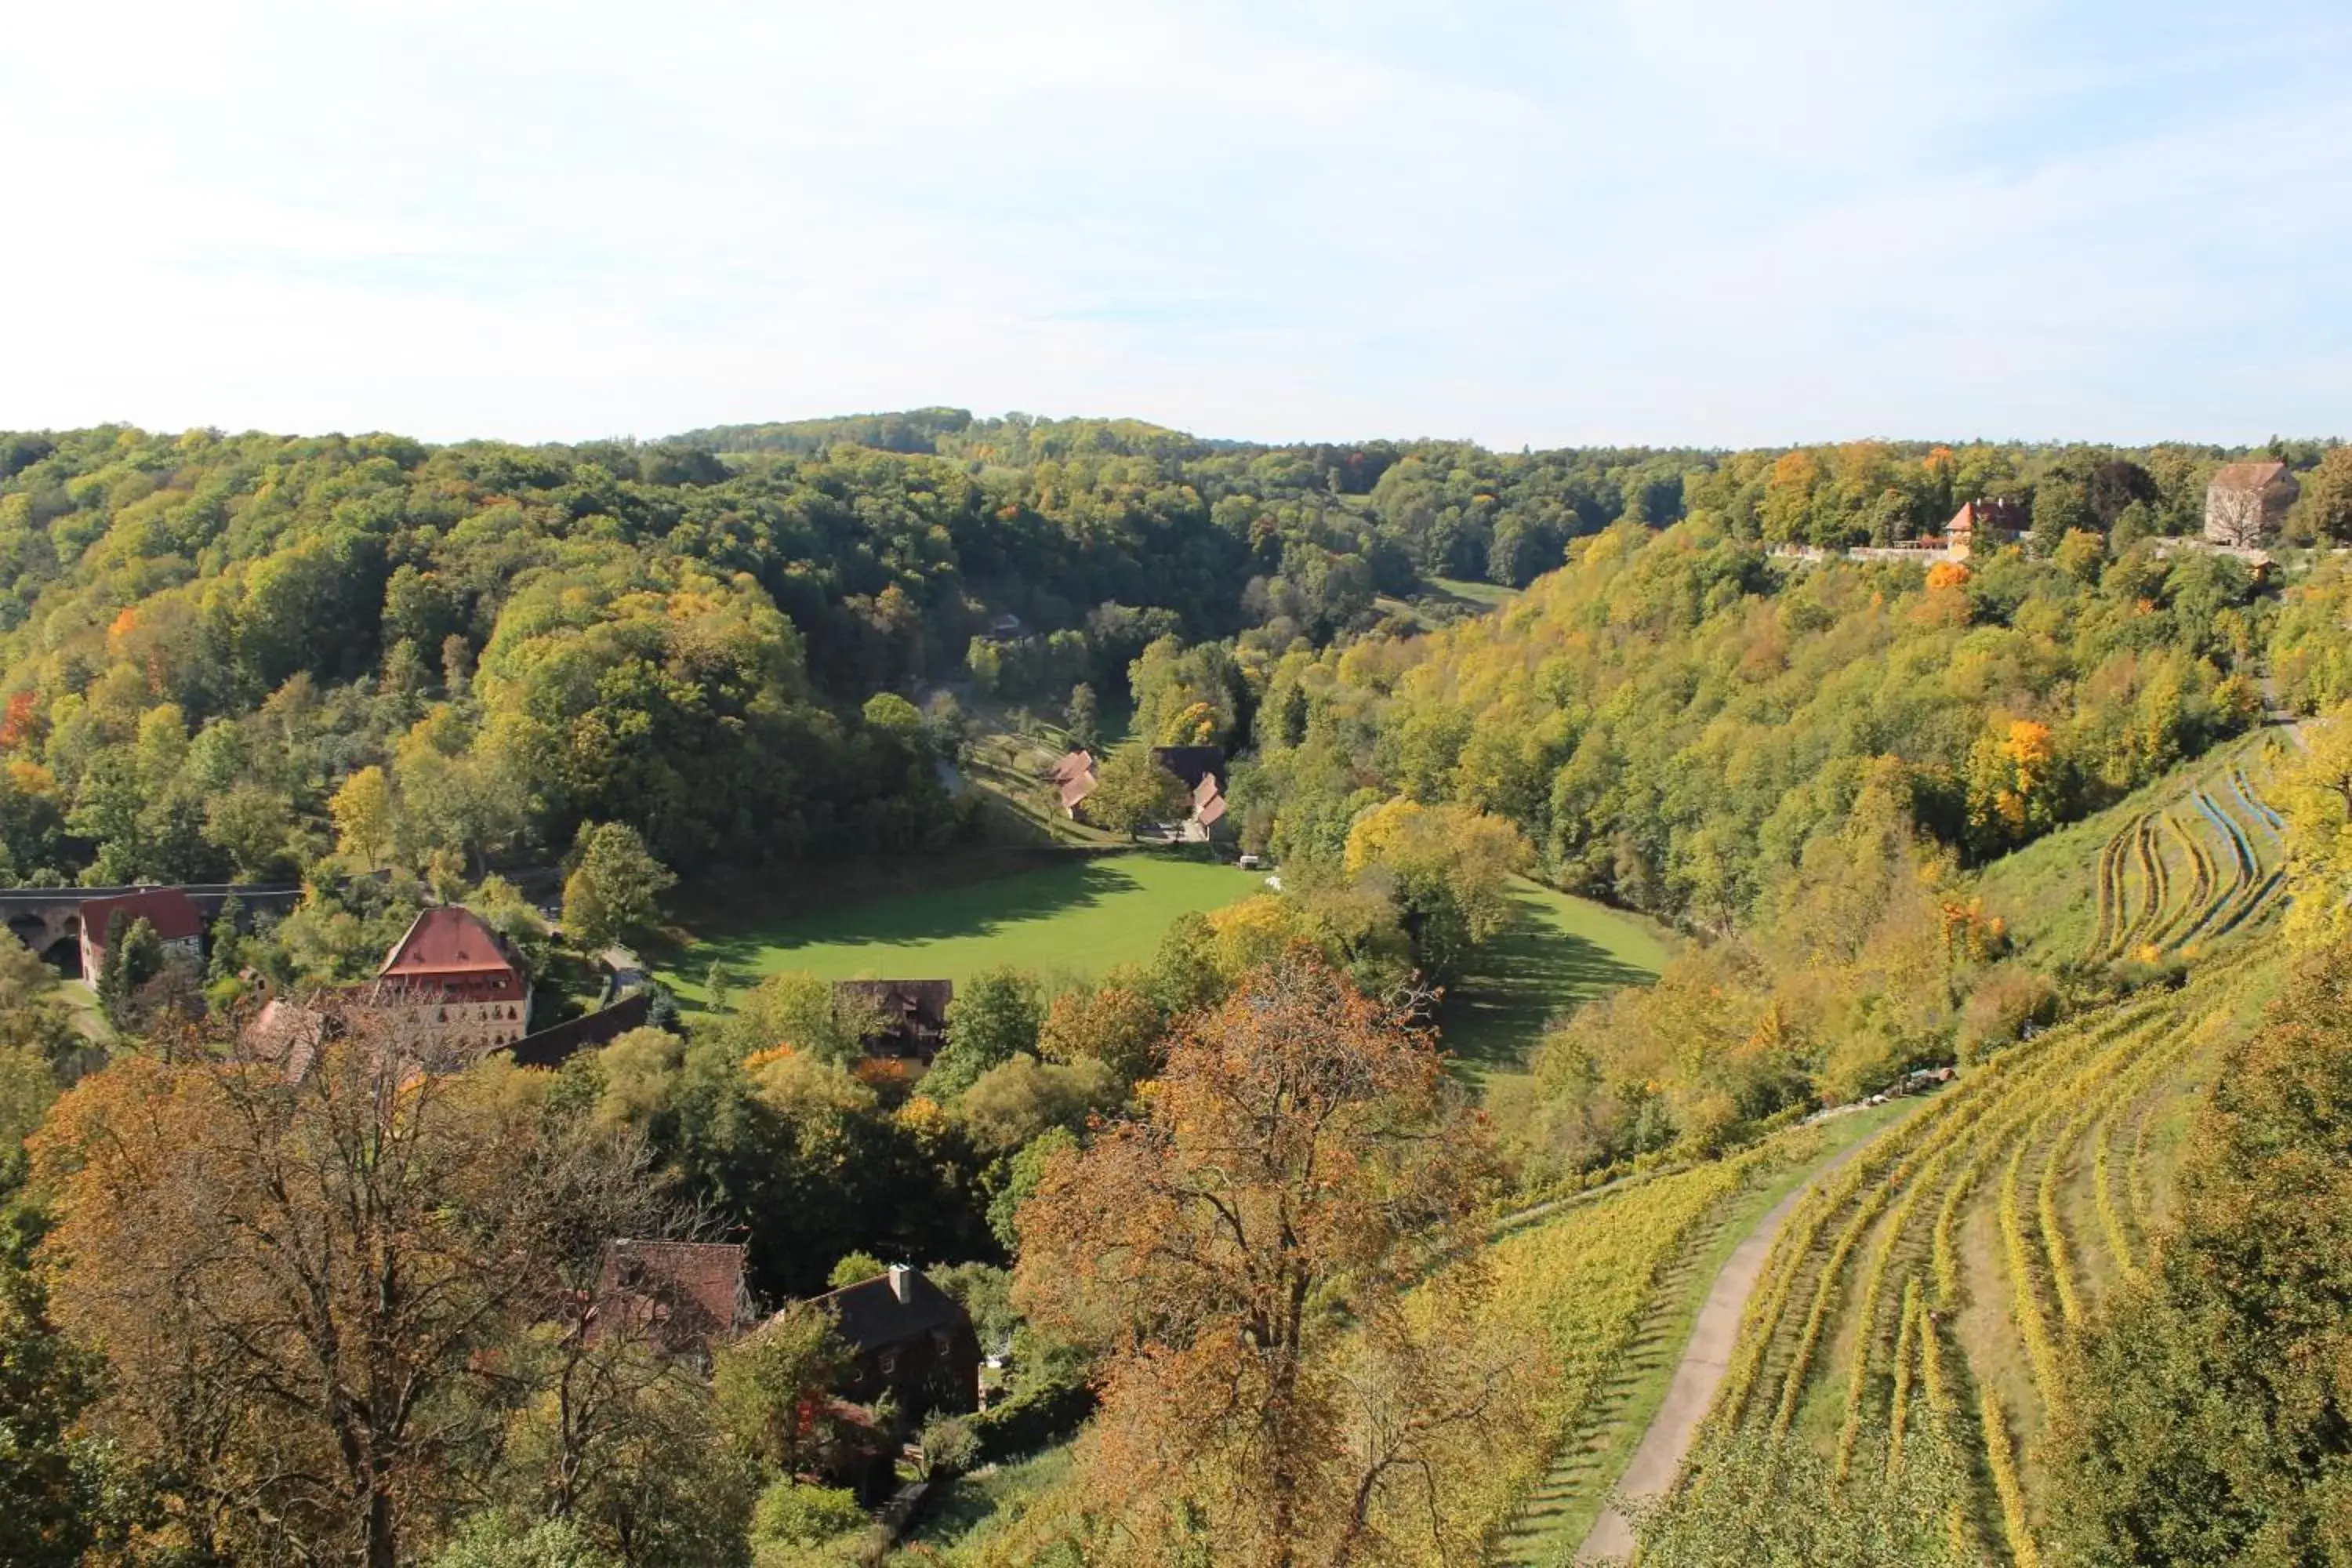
[685,1296]
[451,980]
[178,924]
[1073,779]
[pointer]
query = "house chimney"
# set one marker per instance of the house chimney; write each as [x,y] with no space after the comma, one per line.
[898,1286]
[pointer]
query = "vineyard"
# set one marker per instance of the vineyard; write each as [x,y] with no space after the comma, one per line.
[1938,1275]
[2189,873]
[2176,867]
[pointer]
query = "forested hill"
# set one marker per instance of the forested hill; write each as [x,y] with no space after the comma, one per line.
[203,637]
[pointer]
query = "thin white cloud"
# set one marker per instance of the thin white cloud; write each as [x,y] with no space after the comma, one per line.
[1693,220]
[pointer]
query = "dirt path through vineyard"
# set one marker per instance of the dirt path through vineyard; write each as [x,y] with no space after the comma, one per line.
[1698,1374]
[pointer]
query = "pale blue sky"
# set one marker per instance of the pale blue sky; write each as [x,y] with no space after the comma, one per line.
[1701,221]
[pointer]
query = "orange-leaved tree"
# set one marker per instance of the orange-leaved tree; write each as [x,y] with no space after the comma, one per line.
[1275,1265]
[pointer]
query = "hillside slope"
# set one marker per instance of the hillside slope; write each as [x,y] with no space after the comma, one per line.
[1937,1283]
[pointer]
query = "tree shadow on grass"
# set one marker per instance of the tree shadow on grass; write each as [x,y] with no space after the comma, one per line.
[975,910]
[1532,974]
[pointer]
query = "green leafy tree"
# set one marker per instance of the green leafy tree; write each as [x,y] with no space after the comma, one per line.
[56,1490]
[793,1520]
[363,815]
[2324,511]
[134,956]
[1082,718]
[995,1014]
[1132,791]
[226,942]
[613,887]
[2204,1420]
[853,1268]
[772,1386]
[496,1541]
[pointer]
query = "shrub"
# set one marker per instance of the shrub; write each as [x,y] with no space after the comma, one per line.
[793,1514]
[497,1540]
[2005,1001]
[949,1444]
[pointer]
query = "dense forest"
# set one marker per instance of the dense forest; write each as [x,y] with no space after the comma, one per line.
[401,675]
[204,635]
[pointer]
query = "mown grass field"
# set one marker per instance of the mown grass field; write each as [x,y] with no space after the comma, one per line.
[1070,917]
[1559,951]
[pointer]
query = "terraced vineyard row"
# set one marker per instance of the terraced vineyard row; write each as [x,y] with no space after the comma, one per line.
[2172,879]
[1583,1282]
[1951,1260]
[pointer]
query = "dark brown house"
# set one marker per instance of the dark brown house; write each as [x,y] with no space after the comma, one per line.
[913,1014]
[910,1339]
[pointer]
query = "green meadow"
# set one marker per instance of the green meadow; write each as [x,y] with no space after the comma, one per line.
[1073,917]
[1079,916]
[1559,952]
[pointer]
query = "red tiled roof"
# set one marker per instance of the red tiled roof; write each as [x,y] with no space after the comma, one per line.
[169,911]
[2249,476]
[1208,801]
[451,940]
[1075,776]
[689,1291]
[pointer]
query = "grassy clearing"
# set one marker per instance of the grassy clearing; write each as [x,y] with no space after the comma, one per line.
[1463,590]
[1069,916]
[1560,950]
[80,1004]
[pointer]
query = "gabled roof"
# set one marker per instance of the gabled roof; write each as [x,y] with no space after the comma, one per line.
[1208,801]
[687,1290]
[169,909]
[1193,764]
[1074,777]
[450,940]
[925,1001]
[2248,476]
[873,1314]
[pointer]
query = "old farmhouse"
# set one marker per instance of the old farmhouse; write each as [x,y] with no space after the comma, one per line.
[909,1339]
[1073,779]
[685,1296]
[1202,771]
[172,914]
[450,980]
[2245,503]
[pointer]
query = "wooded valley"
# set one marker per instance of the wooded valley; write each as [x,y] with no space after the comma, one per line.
[916,988]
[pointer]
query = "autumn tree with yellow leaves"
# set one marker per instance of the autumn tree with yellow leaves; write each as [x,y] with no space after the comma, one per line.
[321,1289]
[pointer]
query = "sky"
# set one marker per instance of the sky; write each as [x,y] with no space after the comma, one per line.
[1687,222]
